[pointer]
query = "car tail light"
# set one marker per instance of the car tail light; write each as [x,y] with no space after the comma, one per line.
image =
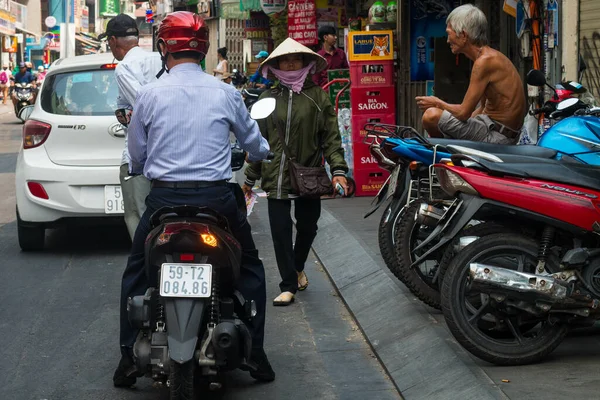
[37,190]
[35,133]
[451,182]
[108,66]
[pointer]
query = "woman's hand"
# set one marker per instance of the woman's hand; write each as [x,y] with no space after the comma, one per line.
[343,182]
[246,189]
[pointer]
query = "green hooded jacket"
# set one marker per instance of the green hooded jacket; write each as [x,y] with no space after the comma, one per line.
[311,132]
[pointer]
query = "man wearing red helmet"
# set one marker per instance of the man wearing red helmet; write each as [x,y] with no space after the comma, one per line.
[179,139]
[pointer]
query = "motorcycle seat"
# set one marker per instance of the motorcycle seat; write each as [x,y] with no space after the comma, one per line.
[492,148]
[582,175]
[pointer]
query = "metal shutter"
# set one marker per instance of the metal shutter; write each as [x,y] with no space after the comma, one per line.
[589,43]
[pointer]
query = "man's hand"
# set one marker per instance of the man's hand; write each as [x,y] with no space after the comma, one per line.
[342,181]
[261,86]
[246,189]
[426,102]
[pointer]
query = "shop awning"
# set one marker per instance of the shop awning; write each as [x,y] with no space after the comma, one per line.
[28,32]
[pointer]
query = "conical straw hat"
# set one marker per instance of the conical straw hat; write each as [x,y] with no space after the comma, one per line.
[290,46]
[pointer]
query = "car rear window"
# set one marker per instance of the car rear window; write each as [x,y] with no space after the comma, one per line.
[81,93]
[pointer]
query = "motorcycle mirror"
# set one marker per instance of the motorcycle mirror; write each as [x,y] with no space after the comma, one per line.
[568,103]
[536,78]
[263,108]
[25,113]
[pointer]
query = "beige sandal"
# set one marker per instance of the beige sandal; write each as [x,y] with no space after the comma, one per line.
[302,281]
[284,299]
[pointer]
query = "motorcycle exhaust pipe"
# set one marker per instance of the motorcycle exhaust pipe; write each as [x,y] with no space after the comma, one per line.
[514,284]
[226,341]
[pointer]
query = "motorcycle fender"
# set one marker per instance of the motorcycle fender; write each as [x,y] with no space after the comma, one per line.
[402,184]
[457,222]
[184,317]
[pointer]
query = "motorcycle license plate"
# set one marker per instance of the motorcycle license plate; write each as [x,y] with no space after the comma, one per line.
[113,200]
[393,182]
[185,280]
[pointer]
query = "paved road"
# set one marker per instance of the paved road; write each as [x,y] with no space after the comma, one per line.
[58,318]
[571,371]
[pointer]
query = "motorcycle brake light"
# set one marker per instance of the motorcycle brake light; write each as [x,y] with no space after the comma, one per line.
[186,257]
[452,183]
[176,227]
[35,133]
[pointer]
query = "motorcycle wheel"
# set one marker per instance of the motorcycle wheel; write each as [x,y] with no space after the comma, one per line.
[386,233]
[181,381]
[387,230]
[479,230]
[532,338]
[407,235]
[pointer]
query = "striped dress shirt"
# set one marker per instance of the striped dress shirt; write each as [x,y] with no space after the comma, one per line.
[180,128]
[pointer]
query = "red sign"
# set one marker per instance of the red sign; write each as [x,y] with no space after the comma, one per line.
[302,21]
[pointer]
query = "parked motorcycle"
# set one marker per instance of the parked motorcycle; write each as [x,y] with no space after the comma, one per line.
[192,319]
[401,226]
[24,93]
[510,298]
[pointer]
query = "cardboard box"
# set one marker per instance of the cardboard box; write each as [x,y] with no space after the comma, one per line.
[370,45]
[359,122]
[370,74]
[373,100]
[369,180]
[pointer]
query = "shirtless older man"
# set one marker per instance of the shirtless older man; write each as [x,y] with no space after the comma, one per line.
[494,106]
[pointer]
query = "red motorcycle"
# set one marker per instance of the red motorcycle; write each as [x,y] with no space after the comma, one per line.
[509,298]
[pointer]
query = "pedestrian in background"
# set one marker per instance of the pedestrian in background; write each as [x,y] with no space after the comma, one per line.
[137,67]
[259,81]
[5,75]
[311,132]
[335,57]
[223,65]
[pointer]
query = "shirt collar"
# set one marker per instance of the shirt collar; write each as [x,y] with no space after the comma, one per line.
[186,67]
[132,52]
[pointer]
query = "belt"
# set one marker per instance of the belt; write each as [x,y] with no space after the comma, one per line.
[187,184]
[505,130]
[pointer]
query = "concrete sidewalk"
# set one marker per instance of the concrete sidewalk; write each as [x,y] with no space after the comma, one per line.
[412,340]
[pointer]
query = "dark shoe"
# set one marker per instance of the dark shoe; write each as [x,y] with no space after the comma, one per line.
[126,373]
[264,372]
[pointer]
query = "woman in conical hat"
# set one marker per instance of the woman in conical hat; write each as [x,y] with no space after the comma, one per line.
[311,132]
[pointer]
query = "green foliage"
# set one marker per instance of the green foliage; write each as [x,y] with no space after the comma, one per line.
[279,27]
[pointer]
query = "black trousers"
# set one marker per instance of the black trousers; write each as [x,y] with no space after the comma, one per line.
[252,278]
[291,258]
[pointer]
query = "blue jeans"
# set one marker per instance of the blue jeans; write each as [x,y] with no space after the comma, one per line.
[252,275]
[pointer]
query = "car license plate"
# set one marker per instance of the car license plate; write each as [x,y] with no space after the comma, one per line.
[113,200]
[185,280]
[393,182]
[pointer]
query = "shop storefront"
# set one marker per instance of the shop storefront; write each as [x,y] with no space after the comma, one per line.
[7,33]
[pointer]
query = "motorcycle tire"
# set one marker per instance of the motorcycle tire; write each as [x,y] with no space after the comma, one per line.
[406,227]
[386,231]
[181,381]
[479,230]
[526,350]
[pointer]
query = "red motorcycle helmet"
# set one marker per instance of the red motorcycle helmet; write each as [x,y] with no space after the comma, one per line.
[183,31]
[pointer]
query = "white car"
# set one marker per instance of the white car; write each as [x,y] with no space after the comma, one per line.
[68,164]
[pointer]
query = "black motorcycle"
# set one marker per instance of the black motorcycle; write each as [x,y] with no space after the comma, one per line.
[192,318]
[23,92]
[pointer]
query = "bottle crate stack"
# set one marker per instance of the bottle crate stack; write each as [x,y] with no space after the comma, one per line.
[373,96]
